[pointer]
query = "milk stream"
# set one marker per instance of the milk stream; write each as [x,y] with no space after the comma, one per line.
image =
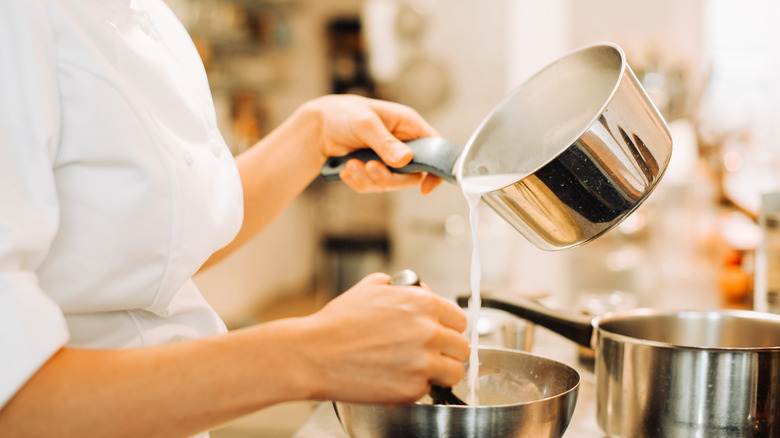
[473,189]
[475,302]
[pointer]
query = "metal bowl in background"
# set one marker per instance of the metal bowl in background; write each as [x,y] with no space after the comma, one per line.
[521,395]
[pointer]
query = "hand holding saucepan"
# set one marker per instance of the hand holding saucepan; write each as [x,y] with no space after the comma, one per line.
[349,123]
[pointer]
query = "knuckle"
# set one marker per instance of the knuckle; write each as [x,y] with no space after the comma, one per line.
[452,375]
[429,332]
[427,302]
[364,121]
[465,349]
[420,365]
[462,322]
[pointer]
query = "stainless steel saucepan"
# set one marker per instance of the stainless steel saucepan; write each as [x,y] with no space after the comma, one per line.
[675,374]
[565,158]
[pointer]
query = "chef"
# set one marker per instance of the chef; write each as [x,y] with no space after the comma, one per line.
[116,187]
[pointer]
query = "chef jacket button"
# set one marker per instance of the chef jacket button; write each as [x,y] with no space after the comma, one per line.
[216,149]
[188,157]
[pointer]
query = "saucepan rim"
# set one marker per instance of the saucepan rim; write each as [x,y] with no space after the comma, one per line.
[636,315]
[515,94]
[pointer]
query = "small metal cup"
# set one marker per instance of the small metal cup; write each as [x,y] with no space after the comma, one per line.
[500,329]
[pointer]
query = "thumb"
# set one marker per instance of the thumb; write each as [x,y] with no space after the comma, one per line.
[393,151]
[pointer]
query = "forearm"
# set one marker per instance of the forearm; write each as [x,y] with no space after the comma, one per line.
[279,167]
[167,391]
[374,343]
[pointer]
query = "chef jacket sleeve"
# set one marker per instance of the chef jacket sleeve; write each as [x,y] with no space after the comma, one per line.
[32,326]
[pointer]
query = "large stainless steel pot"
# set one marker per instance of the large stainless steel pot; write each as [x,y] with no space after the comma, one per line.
[521,395]
[676,374]
[565,158]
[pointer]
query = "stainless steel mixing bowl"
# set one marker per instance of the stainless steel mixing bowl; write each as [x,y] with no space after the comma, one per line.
[521,395]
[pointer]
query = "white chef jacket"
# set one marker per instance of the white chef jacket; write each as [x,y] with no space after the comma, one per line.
[115,184]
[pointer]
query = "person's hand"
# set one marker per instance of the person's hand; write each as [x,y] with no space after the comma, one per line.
[347,123]
[378,343]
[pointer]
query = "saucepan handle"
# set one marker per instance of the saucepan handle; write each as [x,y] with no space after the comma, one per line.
[579,330]
[432,154]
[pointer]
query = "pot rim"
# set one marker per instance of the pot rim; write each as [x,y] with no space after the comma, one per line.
[460,163]
[628,315]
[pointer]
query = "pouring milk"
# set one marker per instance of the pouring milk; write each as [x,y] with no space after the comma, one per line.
[473,188]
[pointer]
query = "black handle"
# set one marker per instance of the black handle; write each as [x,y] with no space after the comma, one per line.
[579,330]
[433,155]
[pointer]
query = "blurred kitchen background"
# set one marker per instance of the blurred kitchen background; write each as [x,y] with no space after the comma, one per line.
[709,65]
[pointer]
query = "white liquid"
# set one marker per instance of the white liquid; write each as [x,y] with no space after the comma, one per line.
[475,302]
[473,189]
[487,183]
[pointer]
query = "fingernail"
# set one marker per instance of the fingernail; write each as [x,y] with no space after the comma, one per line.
[400,153]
